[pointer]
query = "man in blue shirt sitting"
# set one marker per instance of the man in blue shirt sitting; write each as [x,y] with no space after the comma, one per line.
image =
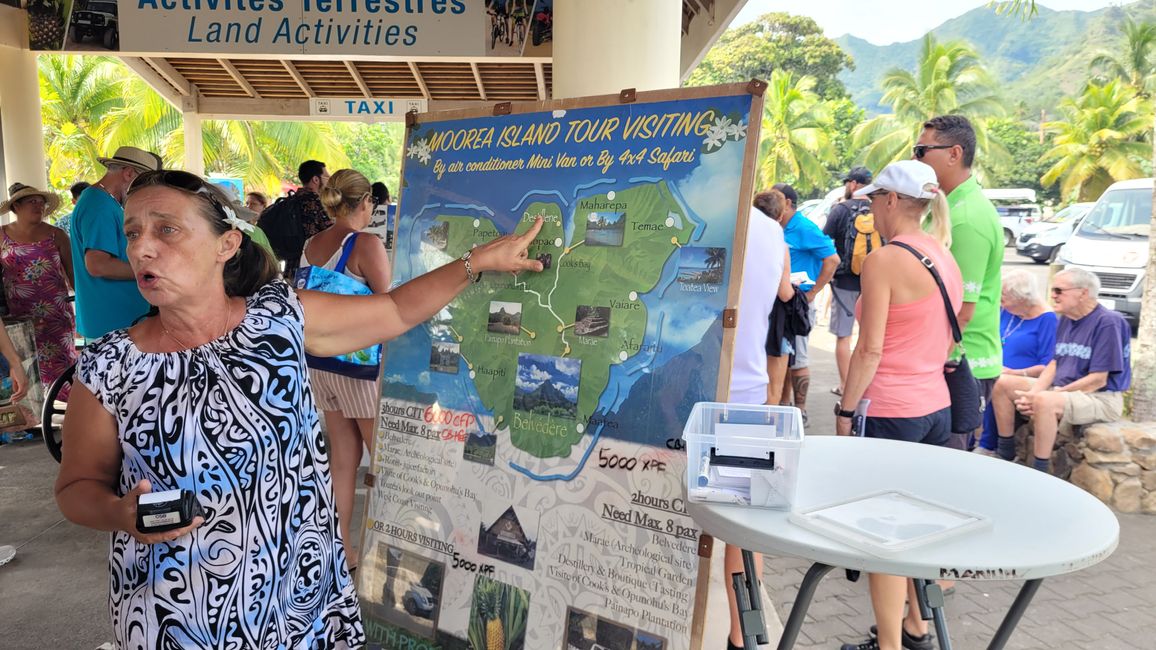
[812,253]
[1086,379]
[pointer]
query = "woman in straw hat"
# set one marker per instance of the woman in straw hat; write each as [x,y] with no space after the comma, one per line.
[36,259]
[211,394]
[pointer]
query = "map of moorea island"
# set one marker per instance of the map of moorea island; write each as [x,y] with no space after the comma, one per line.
[624,315]
[539,347]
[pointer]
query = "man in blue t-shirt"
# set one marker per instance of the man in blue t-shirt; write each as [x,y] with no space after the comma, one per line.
[1085,381]
[107,297]
[812,253]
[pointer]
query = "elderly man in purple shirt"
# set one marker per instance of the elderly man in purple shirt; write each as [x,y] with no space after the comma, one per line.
[1085,381]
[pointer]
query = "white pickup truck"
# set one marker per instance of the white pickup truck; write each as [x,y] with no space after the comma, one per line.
[1017,208]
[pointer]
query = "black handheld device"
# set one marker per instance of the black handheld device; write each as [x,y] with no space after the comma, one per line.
[157,512]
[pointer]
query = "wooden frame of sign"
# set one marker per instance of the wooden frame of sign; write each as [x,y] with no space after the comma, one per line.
[409,550]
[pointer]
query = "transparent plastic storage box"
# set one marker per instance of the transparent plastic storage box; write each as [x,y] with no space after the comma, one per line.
[743,453]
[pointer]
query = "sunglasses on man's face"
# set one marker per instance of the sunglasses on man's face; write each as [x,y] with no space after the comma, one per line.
[1059,291]
[920,150]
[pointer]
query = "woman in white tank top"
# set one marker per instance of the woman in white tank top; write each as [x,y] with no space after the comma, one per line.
[349,404]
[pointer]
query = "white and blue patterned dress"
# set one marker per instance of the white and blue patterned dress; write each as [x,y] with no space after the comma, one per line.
[234,421]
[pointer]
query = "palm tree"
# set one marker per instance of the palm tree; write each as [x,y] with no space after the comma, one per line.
[1100,141]
[950,80]
[1136,67]
[262,152]
[91,105]
[795,144]
[715,257]
[76,92]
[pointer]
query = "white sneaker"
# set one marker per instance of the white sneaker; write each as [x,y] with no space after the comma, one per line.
[984,452]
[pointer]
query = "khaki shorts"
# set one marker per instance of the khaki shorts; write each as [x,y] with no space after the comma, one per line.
[354,398]
[1088,408]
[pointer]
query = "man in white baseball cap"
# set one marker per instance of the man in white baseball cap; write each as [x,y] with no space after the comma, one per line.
[107,297]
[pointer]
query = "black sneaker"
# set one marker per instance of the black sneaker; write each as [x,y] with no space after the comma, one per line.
[869,644]
[910,641]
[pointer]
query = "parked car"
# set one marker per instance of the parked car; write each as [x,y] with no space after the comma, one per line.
[1112,242]
[1017,209]
[816,209]
[1042,240]
[419,601]
[98,20]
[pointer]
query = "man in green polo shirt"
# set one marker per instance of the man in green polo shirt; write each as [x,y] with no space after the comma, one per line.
[947,144]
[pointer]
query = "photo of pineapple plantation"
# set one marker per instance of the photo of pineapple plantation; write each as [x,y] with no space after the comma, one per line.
[498,616]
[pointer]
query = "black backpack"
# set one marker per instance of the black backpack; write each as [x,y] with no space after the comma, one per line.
[281,223]
[859,239]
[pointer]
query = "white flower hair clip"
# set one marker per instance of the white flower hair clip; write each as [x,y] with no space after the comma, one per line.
[236,222]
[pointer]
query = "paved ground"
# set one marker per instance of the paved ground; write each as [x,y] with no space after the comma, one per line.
[54,593]
[1109,606]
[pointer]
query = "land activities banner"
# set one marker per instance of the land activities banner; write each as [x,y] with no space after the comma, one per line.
[530,484]
[331,28]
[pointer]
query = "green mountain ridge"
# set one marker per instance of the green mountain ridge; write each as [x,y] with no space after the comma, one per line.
[1035,62]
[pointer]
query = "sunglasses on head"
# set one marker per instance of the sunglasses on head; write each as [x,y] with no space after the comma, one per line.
[920,150]
[180,180]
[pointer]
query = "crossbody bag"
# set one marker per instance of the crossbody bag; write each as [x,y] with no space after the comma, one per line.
[965,413]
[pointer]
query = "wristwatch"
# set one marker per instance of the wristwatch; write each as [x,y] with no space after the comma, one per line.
[840,413]
[470,275]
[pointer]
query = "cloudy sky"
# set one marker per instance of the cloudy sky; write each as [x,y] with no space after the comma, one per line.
[888,21]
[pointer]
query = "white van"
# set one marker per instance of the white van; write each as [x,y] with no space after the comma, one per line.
[1112,242]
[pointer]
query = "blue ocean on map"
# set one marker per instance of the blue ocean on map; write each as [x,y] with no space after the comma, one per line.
[680,351]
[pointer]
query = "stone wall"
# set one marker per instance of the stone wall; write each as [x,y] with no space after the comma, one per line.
[1114,462]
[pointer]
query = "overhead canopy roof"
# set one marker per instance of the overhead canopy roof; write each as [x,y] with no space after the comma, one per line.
[483,80]
[242,86]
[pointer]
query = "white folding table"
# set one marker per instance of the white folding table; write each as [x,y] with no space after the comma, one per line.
[1041,526]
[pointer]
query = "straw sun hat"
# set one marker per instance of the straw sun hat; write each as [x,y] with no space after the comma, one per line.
[145,161]
[21,191]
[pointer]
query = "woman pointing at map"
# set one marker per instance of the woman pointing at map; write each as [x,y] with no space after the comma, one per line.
[211,395]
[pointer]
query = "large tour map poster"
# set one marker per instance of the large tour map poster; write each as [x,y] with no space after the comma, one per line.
[529,480]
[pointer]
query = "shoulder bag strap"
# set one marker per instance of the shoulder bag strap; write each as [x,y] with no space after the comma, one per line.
[347,250]
[930,266]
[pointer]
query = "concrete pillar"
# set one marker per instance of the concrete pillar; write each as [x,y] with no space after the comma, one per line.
[22,124]
[603,46]
[194,142]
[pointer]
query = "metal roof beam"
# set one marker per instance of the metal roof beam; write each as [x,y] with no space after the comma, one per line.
[239,78]
[154,80]
[301,83]
[353,72]
[540,75]
[478,80]
[172,75]
[420,81]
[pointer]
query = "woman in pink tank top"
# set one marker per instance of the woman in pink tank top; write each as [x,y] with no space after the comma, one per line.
[904,341]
